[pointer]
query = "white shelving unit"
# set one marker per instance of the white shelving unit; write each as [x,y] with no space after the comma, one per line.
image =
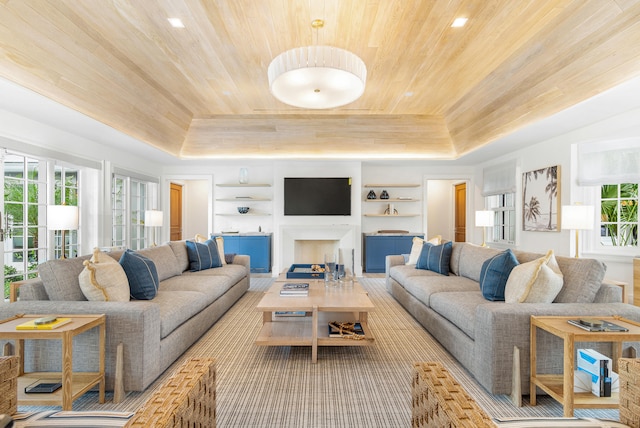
[253,195]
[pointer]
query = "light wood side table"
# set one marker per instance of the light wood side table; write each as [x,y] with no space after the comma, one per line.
[74,384]
[560,386]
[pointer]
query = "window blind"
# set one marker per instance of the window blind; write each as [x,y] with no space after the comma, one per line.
[498,179]
[609,162]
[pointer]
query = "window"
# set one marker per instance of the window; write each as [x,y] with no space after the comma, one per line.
[131,197]
[619,215]
[66,193]
[504,219]
[24,217]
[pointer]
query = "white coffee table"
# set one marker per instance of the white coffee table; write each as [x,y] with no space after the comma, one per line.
[310,315]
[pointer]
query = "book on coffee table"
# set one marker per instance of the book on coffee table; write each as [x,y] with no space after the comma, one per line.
[294,289]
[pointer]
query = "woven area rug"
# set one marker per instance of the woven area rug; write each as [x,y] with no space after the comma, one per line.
[348,387]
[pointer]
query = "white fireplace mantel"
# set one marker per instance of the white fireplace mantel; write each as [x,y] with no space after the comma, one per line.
[346,235]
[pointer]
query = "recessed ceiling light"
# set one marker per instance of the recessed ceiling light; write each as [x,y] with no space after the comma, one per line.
[176,22]
[459,22]
[408,94]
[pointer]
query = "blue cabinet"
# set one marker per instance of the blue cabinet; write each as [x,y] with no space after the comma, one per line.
[257,247]
[378,247]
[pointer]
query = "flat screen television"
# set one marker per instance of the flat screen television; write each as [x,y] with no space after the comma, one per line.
[317,196]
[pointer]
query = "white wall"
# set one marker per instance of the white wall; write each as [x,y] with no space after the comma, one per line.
[195,194]
[440,209]
[557,151]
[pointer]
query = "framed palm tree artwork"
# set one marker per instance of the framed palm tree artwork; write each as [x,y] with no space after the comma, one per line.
[541,200]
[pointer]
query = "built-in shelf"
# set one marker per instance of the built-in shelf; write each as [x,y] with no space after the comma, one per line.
[391,200]
[243,185]
[249,214]
[389,215]
[391,185]
[243,199]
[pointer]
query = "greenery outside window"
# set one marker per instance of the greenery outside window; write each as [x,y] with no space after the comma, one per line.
[504,219]
[619,215]
[24,217]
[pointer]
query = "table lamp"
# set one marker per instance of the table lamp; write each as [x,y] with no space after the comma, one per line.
[63,218]
[153,219]
[484,219]
[578,217]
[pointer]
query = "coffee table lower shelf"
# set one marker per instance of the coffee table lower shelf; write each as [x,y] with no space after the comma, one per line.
[553,385]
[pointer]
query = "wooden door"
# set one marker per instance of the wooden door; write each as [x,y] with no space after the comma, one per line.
[176,212]
[460,214]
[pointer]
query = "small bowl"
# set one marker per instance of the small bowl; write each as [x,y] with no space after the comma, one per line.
[243,210]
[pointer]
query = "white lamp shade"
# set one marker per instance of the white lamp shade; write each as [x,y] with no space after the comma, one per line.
[578,217]
[62,217]
[484,218]
[153,218]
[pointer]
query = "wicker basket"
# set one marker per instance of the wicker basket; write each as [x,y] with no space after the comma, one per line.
[186,399]
[9,385]
[439,401]
[629,371]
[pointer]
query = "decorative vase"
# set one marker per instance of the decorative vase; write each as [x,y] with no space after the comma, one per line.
[243,178]
[384,195]
[371,194]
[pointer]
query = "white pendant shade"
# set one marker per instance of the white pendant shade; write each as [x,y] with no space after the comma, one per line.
[62,217]
[317,77]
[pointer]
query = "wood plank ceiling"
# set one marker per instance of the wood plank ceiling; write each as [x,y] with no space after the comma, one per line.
[433,91]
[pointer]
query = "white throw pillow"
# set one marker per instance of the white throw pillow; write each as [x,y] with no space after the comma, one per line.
[416,248]
[219,242]
[537,281]
[103,279]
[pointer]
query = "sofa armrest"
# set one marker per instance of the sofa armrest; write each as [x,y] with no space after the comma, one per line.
[505,325]
[34,286]
[136,324]
[389,262]
[626,289]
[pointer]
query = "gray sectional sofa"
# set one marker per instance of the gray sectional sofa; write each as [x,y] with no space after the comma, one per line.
[154,332]
[481,334]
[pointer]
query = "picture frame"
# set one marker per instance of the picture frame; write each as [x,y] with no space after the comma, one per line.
[541,200]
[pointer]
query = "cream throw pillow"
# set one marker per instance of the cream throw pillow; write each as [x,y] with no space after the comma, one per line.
[103,279]
[538,281]
[416,247]
[219,242]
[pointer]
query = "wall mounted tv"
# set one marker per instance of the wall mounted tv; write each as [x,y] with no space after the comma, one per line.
[317,196]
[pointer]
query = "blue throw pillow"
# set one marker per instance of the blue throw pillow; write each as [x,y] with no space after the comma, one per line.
[142,275]
[495,273]
[435,257]
[203,255]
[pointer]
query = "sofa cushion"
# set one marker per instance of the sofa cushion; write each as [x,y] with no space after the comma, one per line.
[103,279]
[60,278]
[177,307]
[494,274]
[203,255]
[435,257]
[471,259]
[416,248]
[582,277]
[211,286]
[219,242]
[402,272]
[165,260]
[423,287]
[179,249]
[537,281]
[459,308]
[142,275]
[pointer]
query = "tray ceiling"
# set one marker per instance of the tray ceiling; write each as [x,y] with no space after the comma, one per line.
[433,91]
